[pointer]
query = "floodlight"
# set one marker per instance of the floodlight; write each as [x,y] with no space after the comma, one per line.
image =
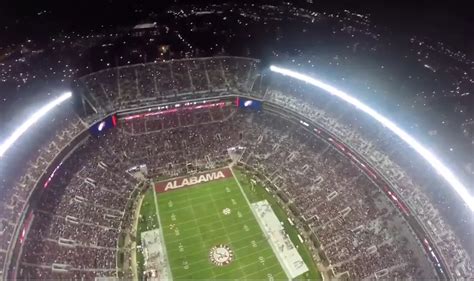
[412,142]
[31,121]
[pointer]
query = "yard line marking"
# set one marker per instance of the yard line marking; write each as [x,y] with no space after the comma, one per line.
[220,228]
[201,236]
[190,202]
[204,217]
[182,208]
[242,256]
[243,248]
[180,196]
[221,220]
[255,272]
[258,221]
[250,264]
[180,240]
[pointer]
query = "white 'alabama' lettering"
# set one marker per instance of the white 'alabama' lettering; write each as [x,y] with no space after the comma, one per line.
[194,180]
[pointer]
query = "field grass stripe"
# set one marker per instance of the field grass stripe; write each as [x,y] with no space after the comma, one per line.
[247,265]
[262,270]
[238,249]
[257,254]
[201,236]
[185,196]
[220,217]
[251,264]
[198,233]
[197,228]
[182,208]
[204,217]
[275,251]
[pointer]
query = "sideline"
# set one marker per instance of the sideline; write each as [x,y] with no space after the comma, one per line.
[165,258]
[275,251]
[134,242]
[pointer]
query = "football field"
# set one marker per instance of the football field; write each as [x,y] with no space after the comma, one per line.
[210,232]
[206,228]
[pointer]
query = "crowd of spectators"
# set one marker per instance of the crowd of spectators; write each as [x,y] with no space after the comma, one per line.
[349,36]
[118,88]
[121,87]
[411,177]
[76,227]
[361,234]
[17,186]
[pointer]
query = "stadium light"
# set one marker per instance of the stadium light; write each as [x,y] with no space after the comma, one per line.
[419,148]
[31,121]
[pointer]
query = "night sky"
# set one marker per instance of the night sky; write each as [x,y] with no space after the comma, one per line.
[449,21]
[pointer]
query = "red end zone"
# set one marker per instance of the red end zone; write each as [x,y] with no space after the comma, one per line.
[187,181]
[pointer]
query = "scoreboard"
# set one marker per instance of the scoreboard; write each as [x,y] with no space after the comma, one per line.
[249,103]
[102,126]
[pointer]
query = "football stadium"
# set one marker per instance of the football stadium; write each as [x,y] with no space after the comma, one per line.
[220,165]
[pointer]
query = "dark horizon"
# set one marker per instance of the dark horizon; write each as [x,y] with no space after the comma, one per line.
[445,21]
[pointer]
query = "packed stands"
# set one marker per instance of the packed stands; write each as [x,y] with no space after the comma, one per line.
[76,228]
[118,88]
[411,177]
[345,210]
[17,187]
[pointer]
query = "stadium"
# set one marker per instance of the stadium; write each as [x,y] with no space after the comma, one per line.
[101,191]
[221,167]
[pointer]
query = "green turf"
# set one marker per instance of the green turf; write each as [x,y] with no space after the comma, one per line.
[258,193]
[193,223]
[147,221]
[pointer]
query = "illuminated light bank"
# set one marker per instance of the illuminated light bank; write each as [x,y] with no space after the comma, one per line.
[31,121]
[419,148]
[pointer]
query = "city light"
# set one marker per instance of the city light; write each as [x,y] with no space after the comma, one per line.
[31,121]
[419,148]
